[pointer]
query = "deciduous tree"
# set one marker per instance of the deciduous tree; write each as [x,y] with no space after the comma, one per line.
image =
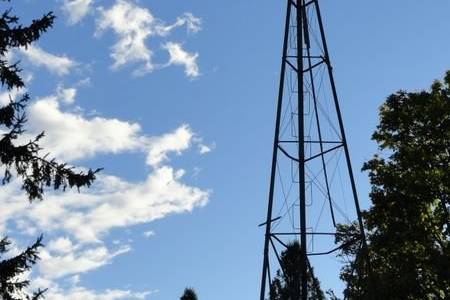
[408,223]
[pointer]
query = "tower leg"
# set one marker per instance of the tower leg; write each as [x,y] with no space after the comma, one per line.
[364,247]
[301,150]
[268,222]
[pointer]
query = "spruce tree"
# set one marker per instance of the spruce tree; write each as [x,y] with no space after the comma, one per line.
[189,294]
[24,160]
[287,283]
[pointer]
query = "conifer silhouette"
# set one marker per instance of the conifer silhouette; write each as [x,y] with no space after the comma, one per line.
[287,283]
[23,160]
[189,294]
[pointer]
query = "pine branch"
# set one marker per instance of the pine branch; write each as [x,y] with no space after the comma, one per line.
[37,172]
[11,268]
[9,75]
[12,35]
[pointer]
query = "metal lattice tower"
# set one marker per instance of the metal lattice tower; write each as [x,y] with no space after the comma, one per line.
[312,188]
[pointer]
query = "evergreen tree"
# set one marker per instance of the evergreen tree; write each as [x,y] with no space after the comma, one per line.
[408,224]
[24,160]
[11,287]
[287,283]
[189,294]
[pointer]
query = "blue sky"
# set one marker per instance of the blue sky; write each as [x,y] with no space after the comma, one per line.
[176,100]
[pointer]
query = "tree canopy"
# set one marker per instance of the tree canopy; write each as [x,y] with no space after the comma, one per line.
[408,223]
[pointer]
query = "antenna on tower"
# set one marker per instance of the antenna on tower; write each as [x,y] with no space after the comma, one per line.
[312,186]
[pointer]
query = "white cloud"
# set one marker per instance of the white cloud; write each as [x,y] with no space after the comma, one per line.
[178,56]
[11,203]
[203,149]
[81,293]
[113,203]
[75,262]
[71,136]
[59,65]
[84,82]
[78,223]
[67,95]
[176,141]
[76,292]
[148,233]
[134,25]
[81,220]
[60,245]
[193,25]
[7,96]
[76,10]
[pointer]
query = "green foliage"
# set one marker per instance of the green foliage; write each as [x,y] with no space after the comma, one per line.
[189,294]
[408,224]
[287,283]
[355,270]
[24,160]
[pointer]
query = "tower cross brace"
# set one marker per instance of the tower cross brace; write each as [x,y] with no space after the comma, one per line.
[308,108]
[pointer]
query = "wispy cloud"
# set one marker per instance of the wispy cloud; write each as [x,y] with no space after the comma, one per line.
[203,149]
[76,10]
[67,95]
[178,56]
[193,25]
[133,25]
[57,64]
[148,233]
